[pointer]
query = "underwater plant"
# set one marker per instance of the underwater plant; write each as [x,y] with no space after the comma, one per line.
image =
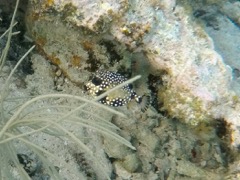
[42,114]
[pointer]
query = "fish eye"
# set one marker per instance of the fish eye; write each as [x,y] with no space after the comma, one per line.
[96,81]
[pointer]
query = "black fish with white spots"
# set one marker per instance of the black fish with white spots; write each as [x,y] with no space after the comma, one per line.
[105,80]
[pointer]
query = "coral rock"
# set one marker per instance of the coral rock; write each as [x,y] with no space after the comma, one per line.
[196,86]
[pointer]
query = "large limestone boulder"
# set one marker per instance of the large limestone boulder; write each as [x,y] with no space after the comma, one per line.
[150,38]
